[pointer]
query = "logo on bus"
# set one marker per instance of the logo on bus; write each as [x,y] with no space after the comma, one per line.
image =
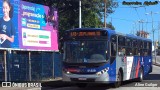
[91,70]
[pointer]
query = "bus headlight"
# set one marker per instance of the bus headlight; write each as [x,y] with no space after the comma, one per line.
[71,70]
[102,71]
[68,72]
[99,73]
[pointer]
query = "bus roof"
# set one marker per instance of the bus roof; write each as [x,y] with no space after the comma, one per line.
[84,29]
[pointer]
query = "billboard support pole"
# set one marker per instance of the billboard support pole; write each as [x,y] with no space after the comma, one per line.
[30,66]
[5,66]
[80,16]
[9,62]
[53,64]
[42,63]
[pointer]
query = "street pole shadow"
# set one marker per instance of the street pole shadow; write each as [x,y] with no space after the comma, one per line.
[155,78]
[152,77]
[98,86]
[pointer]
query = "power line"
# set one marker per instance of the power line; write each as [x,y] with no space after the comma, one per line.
[136,8]
[147,20]
[122,19]
[136,12]
[129,20]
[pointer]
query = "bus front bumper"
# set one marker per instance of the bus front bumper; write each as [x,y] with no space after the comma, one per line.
[86,77]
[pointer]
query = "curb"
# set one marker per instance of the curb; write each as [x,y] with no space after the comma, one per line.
[52,80]
[56,82]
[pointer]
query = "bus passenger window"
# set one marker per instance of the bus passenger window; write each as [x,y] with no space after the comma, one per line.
[113,52]
[145,51]
[149,52]
[141,52]
[121,41]
[128,51]
[121,51]
[113,49]
[135,51]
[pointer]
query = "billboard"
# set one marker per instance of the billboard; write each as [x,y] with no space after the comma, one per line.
[30,26]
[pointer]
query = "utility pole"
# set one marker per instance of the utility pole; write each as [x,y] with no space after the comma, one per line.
[153,34]
[139,34]
[80,22]
[158,34]
[105,1]
[143,32]
[153,37]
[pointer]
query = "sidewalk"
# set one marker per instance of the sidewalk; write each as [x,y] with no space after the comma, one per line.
[157,61]
[54,83]
[57,82]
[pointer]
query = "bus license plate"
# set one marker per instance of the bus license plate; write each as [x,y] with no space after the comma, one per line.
[82,78]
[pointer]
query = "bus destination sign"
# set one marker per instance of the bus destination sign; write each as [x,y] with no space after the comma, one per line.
[85,33]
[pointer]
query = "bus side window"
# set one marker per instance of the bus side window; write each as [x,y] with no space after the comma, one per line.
[145,51]
[121,41]
[128,51]
[135,51]
[141,52]
[121,51]
[149,48]
[113,52]
[113,49]
[149,52]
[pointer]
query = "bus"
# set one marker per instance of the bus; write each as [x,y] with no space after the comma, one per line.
[105,56]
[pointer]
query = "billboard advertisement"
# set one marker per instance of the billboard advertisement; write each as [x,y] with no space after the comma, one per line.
[30,26]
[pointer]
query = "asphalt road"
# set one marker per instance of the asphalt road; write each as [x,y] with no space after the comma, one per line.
[150,82]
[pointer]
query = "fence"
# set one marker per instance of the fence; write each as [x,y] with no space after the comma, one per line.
[29,65]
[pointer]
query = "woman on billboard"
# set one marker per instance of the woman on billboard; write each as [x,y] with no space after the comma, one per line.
[6,26]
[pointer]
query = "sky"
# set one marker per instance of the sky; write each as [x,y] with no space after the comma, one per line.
[125,18]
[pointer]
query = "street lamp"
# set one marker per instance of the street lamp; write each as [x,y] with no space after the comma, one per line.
[151,13]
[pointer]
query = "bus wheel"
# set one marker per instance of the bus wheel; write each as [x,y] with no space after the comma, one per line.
[81,85]
[119,80]
[140,78]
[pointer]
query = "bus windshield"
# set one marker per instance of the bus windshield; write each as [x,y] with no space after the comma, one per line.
[85,51]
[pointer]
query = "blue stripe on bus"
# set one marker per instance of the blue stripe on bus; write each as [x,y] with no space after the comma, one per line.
[112,71]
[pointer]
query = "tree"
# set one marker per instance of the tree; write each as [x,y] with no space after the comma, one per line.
[109,25]
[68,10]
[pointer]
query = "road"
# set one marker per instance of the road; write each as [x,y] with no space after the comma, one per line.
[153,79]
